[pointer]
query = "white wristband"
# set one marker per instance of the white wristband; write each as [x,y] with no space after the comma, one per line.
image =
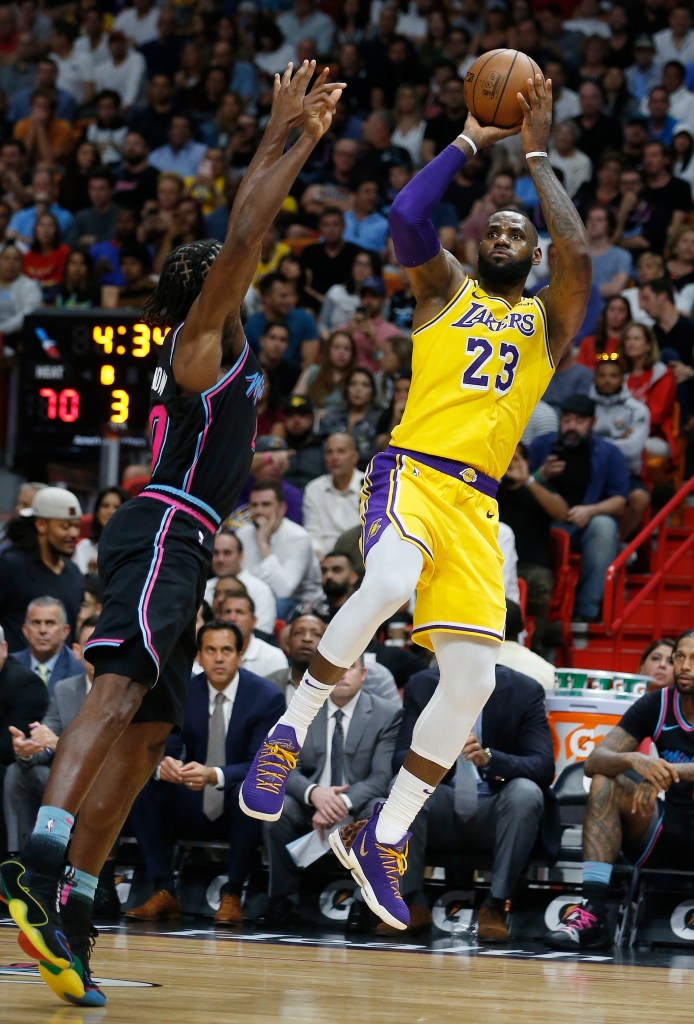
[536,152]
[470,143]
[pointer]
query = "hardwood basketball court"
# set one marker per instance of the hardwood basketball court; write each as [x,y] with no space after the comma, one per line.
[192,973]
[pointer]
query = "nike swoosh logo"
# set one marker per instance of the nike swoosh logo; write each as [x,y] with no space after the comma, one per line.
[666,728]
[490,515]
[362,851]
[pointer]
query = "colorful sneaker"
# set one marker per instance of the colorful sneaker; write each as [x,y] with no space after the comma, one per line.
[33,901]
[75,984]
[581,927]
[376,868]
[262,792]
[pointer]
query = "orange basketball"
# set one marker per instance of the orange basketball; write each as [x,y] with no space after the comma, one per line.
[492,84]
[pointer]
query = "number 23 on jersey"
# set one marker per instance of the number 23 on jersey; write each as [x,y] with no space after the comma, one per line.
[486,358]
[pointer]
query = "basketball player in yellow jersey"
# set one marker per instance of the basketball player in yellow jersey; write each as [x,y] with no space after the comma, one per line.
[483,356]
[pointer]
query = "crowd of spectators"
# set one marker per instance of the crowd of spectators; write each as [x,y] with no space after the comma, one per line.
[125,131]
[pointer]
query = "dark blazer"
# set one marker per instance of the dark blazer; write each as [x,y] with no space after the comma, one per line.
[514,727]
[23,699]
[66,666]
[257,707]
[369,749]
[65,701]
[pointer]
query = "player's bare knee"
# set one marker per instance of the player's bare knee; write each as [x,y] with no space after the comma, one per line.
[119,699]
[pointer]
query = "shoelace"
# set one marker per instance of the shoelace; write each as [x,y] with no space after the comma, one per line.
[580,918]
[394,864]
[83,949]
[274,764]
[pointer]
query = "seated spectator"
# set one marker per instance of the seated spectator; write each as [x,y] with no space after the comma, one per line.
[395,362]
[673,333]
[43,563]
[79,286]
[331,502]
[278,301]
[409,123]
[106,255]
[611,264]
[73,191]
[136,266]
[43,192]
[306,462]
[650,381]
[152,120]
[96,223]
[33,748]
[340,580]
[500,196]
[183,225]
[305,22]
[391,417]
[123,72]
[503,775]
[640,224]
[322,382]
[358,418]
[344,768]
[227,560]
[270,463]
[682,152]
[45,260]
[447,124]
[514,654]
[45,631]
[570,378]
[93,42]
[368,326]
[75,70]
[279,551]
[328,262]
[220,130]
[645,72]
[107,502]
[656,662]
[662,188]
[574,164]
[592,477]
[46,75]
[47,138]
[624,814]
[623,420]
[529,506]
[649,267]
[181,155]
[597,132]
[257,655]
[303,635]
[108,132]
[343,298]
[136,181]
[23,700]
[364,226]
[281,375]
[207,187]
[92,600]
[680,264]
[19,296]
[228,712]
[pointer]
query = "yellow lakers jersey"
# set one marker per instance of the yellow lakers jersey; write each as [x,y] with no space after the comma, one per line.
[479,368]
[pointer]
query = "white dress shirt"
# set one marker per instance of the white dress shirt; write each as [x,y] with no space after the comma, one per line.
[262,658]
[291,569]
[140,30]
[229,693]
[328,511]
[125,78]
[667,49]
[260,594]
[347,711]
[507,544]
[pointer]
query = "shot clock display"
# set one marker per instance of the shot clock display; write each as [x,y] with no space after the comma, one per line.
[83,373]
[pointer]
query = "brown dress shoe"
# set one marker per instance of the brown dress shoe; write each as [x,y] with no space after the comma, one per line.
[157,908]
[230,911]
[420,920]
[491,925]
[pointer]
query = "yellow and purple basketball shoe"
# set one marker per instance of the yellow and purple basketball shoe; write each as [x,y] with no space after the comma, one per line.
[262,791]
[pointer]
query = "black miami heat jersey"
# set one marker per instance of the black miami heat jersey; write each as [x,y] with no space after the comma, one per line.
[659,715]
[202,445]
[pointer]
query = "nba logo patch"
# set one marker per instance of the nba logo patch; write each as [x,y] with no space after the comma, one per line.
[375,527]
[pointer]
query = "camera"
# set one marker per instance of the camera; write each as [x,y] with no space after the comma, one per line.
[559,451]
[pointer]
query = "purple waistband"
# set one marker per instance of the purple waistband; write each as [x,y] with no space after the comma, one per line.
[473,477]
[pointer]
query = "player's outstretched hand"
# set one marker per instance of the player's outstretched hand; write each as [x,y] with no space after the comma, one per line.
[486,135]
[537,114]
[289,92]
[320,104]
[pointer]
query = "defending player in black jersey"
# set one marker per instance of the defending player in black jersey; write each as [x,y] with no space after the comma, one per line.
[154,555]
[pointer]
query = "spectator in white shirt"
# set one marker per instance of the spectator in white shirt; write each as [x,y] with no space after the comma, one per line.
[677,41]
[75,71]
[124,71]
[256,655]
[227,561]
[331,501]
[139,22]
[574,164]
[304,22]
[279,551]
[93,42]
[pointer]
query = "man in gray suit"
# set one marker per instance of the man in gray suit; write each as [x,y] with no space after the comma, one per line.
[25,780]
[45,631]
[344,769]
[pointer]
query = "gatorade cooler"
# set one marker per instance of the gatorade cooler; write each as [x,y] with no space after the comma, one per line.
[578,723]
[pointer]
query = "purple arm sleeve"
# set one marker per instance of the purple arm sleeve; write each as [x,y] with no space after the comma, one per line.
[414,236]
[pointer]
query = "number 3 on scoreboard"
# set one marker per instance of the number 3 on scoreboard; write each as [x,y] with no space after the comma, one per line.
[483,352]
[120,406]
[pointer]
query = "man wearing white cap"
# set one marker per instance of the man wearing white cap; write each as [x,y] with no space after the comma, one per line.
[43,565]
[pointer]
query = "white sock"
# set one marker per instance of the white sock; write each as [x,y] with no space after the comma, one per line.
[309,698]
[407,797]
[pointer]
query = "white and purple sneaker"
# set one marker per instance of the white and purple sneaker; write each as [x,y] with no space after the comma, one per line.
[262,791]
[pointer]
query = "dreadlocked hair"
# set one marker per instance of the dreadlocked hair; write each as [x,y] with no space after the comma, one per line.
[182,275]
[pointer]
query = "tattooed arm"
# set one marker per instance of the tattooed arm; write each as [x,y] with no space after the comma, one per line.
[566,296]
[617,753]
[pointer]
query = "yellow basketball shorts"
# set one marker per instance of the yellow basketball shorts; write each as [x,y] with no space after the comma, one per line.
[448,510]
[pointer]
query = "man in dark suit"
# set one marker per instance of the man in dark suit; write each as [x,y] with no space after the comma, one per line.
[45,631]
[195,790]
[506,805]
[344,769]
[23,699]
